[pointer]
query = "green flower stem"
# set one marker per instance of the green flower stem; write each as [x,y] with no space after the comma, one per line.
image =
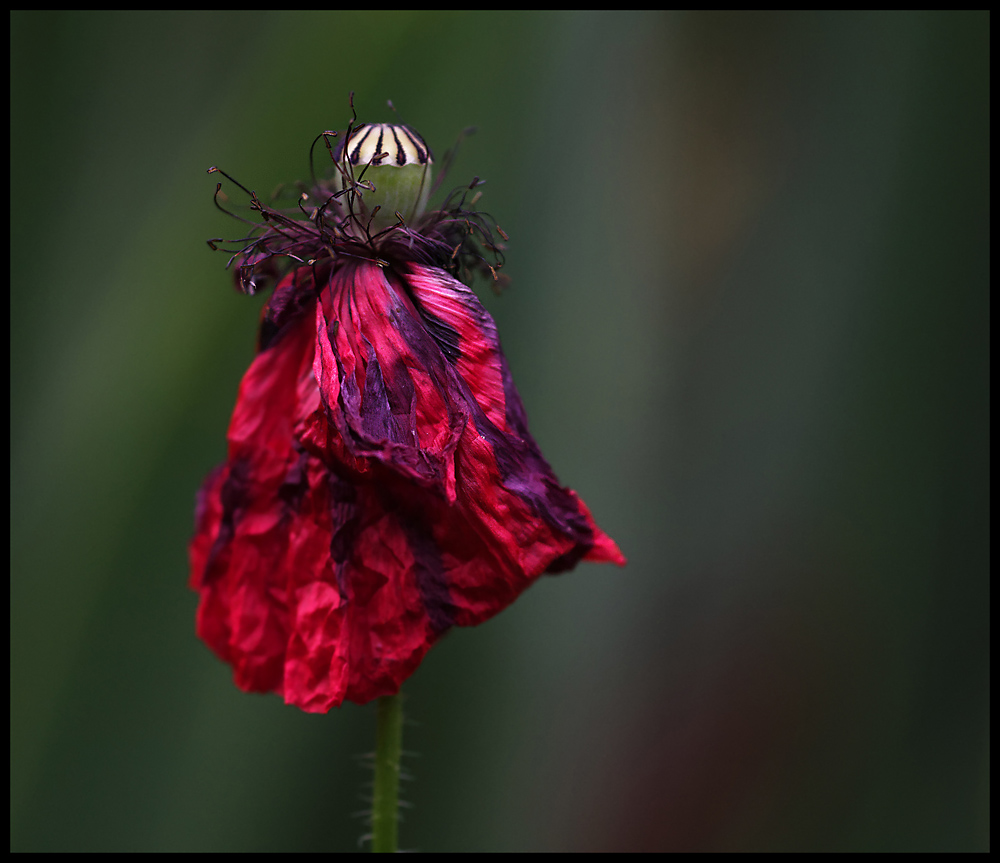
[388,750]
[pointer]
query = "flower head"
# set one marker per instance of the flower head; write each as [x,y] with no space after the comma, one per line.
[381,484]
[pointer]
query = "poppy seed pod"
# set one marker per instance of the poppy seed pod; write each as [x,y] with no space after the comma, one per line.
[394,160]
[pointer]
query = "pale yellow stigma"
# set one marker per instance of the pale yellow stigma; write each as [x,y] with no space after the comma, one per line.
[378,144]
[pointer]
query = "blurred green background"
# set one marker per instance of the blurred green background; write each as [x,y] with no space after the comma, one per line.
[749,318]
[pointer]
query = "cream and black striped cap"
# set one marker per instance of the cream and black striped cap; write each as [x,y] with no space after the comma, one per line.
[387,144]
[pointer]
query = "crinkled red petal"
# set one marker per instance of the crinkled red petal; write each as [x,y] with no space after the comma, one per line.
[381,486]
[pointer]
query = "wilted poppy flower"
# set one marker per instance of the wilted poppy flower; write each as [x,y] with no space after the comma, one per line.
[381,484]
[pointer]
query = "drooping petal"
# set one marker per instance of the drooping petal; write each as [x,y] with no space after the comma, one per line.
[466,335]
[502,424]
[239,550]
[308,583]
[384,383]
[358,623]
[381,486]
[420,345]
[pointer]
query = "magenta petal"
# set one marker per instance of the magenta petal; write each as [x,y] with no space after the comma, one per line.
[381,486]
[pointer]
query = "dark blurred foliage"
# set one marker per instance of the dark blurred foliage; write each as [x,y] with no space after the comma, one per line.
[749,317]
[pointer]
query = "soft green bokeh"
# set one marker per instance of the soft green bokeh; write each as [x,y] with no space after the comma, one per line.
[749,318]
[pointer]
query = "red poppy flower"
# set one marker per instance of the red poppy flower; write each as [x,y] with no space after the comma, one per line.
[381,484]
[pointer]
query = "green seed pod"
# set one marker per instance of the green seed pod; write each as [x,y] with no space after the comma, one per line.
[395,160]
